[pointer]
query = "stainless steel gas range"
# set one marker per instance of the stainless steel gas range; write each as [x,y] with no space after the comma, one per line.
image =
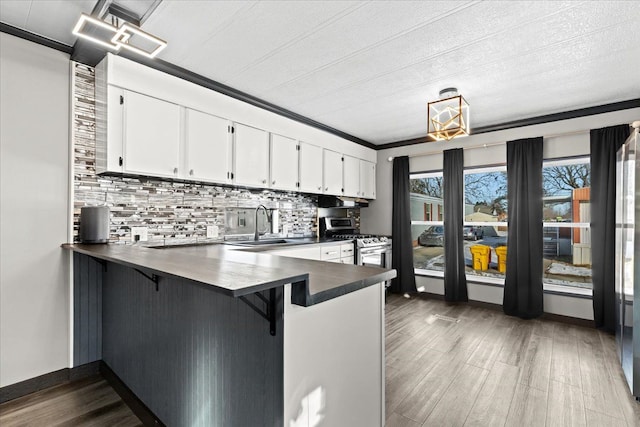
[370,250]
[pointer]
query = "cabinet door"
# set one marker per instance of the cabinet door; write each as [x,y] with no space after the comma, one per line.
[367,179]
[284,163]
[207,147]
[332,175]
[310,168]
[251,156]
[151,136]
[351,175]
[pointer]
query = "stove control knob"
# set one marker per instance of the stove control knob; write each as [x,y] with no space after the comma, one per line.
[383,239]
[366,241]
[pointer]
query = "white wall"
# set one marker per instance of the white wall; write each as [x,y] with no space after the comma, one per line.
[562,139]
[34,201]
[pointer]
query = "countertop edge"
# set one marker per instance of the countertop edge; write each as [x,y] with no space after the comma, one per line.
[300,281]
[299,278]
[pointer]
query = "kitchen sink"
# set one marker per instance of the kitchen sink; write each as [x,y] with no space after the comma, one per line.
[267,242]
[259,242]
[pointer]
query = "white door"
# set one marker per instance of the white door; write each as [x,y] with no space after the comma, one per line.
[251,156]
[284,163]
[207,147]
[367,179]
[151,136]
[310,168]
[351,176]
[332,175]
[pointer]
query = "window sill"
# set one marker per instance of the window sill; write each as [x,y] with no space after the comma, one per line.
[548,288]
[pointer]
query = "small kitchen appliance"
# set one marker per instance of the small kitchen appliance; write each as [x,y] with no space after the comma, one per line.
[94,224]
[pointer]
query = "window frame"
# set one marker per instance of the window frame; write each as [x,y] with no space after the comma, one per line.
[420,175]
[548,288]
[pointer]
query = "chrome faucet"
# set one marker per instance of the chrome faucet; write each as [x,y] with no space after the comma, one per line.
[256,236]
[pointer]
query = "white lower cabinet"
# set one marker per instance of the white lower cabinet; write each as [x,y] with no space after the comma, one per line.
[342,253]
[334,360]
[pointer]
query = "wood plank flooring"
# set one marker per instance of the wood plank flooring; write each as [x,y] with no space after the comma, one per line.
[89,402]
[447,365]
[457,365]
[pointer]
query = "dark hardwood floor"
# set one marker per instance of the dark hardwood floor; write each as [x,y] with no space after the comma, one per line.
[447,365]
[89,402]
[458,365]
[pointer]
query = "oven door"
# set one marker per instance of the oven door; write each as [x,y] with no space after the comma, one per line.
[375,257]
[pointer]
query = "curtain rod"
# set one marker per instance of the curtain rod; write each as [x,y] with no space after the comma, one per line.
[490,144]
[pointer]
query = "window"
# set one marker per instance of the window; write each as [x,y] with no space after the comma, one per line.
[485,222]
[427,228]
[566,223]
[567,216]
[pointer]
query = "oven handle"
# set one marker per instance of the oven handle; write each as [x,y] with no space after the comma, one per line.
[374,252]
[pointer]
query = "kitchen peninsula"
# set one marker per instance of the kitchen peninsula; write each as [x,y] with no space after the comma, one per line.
[225,335]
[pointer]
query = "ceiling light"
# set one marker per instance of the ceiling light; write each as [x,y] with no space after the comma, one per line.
[80,30]
[448,117]
[128,36]
[123,38]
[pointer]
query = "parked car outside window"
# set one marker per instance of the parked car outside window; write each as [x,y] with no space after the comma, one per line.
[432,236]
[472,233]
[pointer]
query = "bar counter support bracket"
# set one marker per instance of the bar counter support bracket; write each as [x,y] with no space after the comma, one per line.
[154,277]
[269,312]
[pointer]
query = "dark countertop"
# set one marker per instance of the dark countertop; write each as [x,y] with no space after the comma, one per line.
[239,271]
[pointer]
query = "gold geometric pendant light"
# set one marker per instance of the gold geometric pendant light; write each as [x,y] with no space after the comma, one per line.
[448,117]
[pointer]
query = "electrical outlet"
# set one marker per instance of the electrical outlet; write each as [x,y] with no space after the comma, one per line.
[212,231]
[139,234]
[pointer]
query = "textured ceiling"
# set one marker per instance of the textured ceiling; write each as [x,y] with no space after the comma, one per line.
[368,68]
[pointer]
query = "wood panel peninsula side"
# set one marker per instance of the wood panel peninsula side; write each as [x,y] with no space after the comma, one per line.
[223,335]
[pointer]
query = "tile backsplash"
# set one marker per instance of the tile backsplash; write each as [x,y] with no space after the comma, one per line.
[173,212]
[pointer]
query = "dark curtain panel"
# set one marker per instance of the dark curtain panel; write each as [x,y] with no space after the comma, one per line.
[455,281]
[605,143]
[523,281]
[402,254]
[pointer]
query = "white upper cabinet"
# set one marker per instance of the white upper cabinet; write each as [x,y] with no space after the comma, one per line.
[251,156]
[207,147]
[310,168]
[367,179]
[150,123]
[151,136]
[284,163]
[351,176]
[332,175]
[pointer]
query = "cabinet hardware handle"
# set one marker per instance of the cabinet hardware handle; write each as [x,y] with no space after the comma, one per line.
[191,172]
[175,170]
[273,183]
[264,181]
[319,188]
[331,253]
[326,188]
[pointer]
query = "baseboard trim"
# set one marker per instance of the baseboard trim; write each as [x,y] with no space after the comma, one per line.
[51,379]
[136,405]
[497,307]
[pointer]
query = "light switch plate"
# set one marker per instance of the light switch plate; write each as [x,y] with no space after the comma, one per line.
[141,233]
[212,231]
